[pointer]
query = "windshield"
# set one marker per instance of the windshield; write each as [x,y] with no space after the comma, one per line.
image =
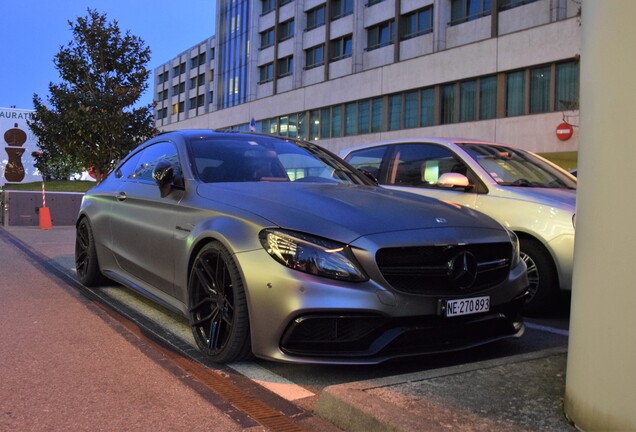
[515,167]
[261,158]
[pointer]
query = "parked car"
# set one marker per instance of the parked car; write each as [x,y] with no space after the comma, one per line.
[528,194]
[279,248]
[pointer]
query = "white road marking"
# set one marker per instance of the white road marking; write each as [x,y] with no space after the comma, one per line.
[274,383]
[547,329]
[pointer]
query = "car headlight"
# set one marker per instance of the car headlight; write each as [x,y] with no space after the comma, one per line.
[311,254]
[515,248]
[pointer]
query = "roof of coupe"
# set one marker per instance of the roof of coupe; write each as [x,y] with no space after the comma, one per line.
[280,249]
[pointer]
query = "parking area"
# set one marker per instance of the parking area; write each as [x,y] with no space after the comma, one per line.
[510,385]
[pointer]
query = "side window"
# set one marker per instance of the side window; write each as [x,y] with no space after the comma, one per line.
[421,165]
[163,151]
[127,167]
[369,160]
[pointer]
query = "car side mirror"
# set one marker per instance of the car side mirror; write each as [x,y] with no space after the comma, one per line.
[454,181]
[163,175]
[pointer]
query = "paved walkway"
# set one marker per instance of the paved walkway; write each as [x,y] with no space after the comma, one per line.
[66,365]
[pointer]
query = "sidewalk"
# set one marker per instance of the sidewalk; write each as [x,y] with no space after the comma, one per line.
[66,366]
[520,393]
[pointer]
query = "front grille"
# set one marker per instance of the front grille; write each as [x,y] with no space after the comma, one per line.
[426,269]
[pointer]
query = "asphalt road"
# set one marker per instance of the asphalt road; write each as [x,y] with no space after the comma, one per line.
[300,385]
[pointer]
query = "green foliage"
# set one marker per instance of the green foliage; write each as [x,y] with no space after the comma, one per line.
[90,119]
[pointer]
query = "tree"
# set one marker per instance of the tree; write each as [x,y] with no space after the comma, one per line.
[91,121]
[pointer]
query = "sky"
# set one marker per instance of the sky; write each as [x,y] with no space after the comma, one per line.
[33,31]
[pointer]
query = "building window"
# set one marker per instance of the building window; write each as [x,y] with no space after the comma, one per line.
[468,10]
[363,117]
[509,4]
[267,6]
[178,108]
[201,59]
[162,95]
[427,107]
[417,23]
[325,123]
[162,78]
[372,2]
[193,103]
[341,48]
[314,125]
[285,66]
[395,112]
[267,38]
[515,93]
[193,83]
[336,121]
[316,17]
[212,54]
[265,73]
[180,69]
[567,86]
[285,30]
[467,101]
[314,56]
[540,90]
[410,109]
[340,8]
[447,104]
[488,98]
[211,97]
[194,62]
[232,41]
[380,35]
[377,114]
[178,88]
[350,119]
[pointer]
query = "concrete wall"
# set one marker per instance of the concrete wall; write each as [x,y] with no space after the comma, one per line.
[21,208]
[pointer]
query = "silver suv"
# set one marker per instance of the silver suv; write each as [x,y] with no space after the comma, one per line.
[526,193]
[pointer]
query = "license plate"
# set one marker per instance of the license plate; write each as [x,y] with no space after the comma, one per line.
[465,306]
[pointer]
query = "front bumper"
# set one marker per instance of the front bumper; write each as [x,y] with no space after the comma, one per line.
[300,318]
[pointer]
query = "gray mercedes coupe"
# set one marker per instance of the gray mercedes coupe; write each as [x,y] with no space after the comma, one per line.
[278,248]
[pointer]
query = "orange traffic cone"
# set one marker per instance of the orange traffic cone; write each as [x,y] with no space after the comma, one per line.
[44,213]
[45,218]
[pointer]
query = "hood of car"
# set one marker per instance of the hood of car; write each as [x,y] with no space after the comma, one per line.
[556,197]
[342,212]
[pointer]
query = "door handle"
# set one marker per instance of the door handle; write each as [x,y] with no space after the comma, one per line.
[121,196]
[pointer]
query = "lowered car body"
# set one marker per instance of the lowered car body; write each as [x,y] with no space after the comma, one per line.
[279,249]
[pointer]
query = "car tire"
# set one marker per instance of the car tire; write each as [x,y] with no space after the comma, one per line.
[86,263]
[542,277]
[218,308]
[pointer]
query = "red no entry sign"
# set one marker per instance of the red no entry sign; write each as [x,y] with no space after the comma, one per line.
[564,131]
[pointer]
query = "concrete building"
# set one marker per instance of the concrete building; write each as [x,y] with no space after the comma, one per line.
[344,72]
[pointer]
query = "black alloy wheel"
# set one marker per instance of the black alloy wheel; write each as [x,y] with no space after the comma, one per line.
[542,277]
[86,264]
[218,309]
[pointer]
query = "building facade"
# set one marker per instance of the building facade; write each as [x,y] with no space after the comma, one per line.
[345,72]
